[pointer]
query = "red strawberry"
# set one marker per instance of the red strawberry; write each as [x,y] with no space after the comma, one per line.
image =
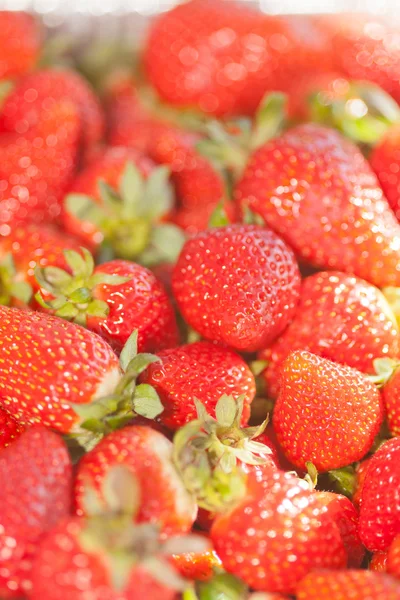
[113,299]
[390,394]
[336,314]
[49,366]
[352,229]
[23,107]
[328,85]
[393,558]
[237,284]
[202,371]
[197,567]
[326,413]
[10,429]
[361,473]
[148,455]
[20,43]
[36,479]
[37,167]
[348,585]
[379,562]
[385,161]
[379,518]
[278,533]
[345,515]
[221,58]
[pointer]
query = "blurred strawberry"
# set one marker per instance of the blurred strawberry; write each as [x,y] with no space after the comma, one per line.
[385,161]
[20,43]
[343,585]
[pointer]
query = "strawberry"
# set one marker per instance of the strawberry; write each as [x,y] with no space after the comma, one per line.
[148,456]
[321,402]
[113,299]
[23,108]
[277,534]
[352,230]
[197,567]
[37,167]
[237,284]
[348,585]
[202,371]
[385,161]
[65,375]
[10,429]
[390,395]
[327,85]
[36,470]
[221,58]
[393,558]
[20,43]
[379,518]
[360,474]
[379,562]
[336,313]
[24,249]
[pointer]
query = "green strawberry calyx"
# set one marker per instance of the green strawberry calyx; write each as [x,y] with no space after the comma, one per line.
[208,453]
[384,369]
[71,294]
[222,586]
[12,287]
[129,219]
[110,530]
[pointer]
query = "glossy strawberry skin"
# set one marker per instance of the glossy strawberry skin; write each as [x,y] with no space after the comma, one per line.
[222,58]
[36,476]
[385,161]
[201,370]
[22,108]
[277,534]
[352,230]
[37,167]
[379,515]
[379,562]
[390,395]
[108,166]
[237,284]
[393,558]
[343,585]
[197,567]
[340,317]
[326,413]
[140,304]
[361,473]
[62,560]
[20,43]
[147,453]
[47,365]
[10,429]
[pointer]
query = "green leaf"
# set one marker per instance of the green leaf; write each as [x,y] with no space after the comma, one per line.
[222,587]
[146,402]
[345,480]
[140,362]
[226,410]
[159,196]
[269,119]
[165,245]
[129,351]
[109,196]
[84,208]
[132,190]
[97,308]
[52,278]
[219,216]
[81,264]
[106,279]
[80,296]
[22,291]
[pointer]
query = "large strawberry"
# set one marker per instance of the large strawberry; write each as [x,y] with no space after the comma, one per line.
[316,189]
[379,516]
[36,480]
[237,284]
[348,585]
[385,161]
[327,414]
[20,43]
[392,563]
[202,371]
[10,429]
[148,456]
[390,394]
[23,107]
[37,166]
[336,314]
[54,371]
[113,299]
[221,58]
[277,534]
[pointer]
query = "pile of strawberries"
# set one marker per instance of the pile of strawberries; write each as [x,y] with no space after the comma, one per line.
[200,308]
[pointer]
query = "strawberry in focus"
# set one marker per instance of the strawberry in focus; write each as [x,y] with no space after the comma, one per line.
[10,429]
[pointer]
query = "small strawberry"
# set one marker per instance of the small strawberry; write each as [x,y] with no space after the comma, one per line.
[148,456]
[20,43]
[352,230]
[63,376]
[117,203]
[385,161]
[202,371]
[22,109]
[379,518]
[10,429]
[37,167]
[36,480]
[379,562]
[393,558]
[221,58]
[326,414]
[237,284]
[348,585]
[113,300]
[197,567]
[277,534]
[336,314]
